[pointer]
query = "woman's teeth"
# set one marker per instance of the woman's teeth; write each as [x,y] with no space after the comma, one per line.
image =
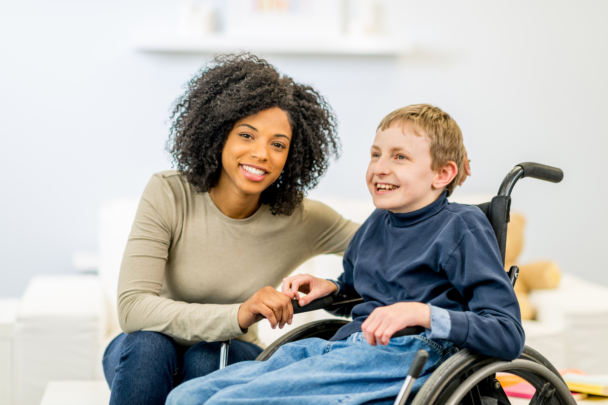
[253,170]
[386,187]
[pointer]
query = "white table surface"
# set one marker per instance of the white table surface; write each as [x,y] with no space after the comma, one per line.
[98,393]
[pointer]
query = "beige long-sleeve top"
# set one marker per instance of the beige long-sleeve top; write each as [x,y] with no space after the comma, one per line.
[187,267]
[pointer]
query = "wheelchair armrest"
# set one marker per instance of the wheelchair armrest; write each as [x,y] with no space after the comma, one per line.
[335,300]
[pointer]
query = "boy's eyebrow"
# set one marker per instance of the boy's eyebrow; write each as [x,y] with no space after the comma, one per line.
[393,149]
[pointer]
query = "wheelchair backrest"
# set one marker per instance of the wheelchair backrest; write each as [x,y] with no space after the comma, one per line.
[498,213]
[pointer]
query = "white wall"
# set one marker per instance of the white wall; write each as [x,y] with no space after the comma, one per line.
[84,116]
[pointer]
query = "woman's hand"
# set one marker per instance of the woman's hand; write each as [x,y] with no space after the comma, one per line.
[384,322]
[313,286]
[268,303]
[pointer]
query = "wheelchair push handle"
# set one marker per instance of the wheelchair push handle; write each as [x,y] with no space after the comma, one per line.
[529,169]
[320,303]
[542,172]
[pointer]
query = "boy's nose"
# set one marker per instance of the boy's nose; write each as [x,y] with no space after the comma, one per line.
[382,168]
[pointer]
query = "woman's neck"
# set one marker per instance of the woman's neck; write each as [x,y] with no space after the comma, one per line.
[233,203]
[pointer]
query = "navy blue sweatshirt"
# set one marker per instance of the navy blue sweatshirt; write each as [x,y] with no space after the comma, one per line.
[444,255]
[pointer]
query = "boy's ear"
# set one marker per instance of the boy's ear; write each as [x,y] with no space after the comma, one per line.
[445,175]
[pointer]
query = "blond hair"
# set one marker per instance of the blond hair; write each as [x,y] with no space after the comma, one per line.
[442,132]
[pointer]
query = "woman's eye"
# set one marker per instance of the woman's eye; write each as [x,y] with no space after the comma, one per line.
[247,136]
[278,145]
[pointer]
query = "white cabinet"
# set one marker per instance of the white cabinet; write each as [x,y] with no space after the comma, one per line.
[8,311]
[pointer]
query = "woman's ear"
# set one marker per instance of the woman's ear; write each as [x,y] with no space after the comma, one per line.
[445,175]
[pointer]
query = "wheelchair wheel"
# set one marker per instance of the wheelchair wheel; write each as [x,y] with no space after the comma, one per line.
[469,379]
[323,329]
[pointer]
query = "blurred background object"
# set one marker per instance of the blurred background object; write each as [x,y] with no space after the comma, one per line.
[86,113]
[86,90]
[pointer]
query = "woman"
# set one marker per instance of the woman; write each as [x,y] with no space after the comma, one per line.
[208,238]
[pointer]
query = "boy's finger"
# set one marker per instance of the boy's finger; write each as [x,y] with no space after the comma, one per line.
[379,334]
[388,332]
[286,285]
[370,338]
[370,331]
[295,284]
[313,295]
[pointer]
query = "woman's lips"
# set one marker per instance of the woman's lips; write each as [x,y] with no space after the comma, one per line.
[252,176]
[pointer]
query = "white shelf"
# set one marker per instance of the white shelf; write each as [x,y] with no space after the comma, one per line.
[363,46]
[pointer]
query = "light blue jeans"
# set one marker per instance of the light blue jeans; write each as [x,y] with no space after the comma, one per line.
[315,371]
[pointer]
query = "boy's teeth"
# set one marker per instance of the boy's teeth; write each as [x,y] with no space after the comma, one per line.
[253,170]
[386,186]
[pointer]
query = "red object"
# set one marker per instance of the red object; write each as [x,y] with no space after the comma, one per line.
[520,390]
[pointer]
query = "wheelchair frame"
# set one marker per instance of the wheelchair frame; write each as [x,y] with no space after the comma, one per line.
[465,378]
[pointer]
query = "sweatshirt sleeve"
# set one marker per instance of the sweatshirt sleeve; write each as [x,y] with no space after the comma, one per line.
[140,306]
[326,231]
[492,325]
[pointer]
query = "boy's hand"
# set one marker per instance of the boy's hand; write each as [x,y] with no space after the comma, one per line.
[313,286]
[384,322]
[269,303]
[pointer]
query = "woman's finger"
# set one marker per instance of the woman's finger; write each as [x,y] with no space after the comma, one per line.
[278,306]
[268,313]
[287,312]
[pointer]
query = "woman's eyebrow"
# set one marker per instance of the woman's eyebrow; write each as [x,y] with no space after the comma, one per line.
[283,136]
[247,125]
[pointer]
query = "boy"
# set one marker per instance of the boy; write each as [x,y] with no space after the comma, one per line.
[417,260]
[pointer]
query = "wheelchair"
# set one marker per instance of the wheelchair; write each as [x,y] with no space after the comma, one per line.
[465,378]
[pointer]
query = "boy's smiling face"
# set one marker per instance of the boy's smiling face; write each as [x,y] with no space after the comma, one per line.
[399,176]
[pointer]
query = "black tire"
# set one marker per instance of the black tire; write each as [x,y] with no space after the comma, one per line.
[323,329]
[449,375]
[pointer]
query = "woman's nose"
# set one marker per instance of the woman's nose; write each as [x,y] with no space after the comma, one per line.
[258,151]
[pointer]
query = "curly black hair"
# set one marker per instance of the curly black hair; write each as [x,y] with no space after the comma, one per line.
[232,87]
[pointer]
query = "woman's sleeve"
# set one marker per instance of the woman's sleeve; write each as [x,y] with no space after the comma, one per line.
[140,306]
[326,230]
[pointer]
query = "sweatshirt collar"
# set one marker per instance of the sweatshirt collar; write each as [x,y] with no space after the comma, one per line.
[411,218]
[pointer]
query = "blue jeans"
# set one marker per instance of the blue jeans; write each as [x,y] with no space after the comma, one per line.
[315,371]
[143,367]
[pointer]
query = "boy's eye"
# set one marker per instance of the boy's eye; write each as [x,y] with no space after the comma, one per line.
[400,157]
[375,155]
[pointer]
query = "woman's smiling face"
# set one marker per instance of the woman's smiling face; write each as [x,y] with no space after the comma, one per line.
[255,152]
